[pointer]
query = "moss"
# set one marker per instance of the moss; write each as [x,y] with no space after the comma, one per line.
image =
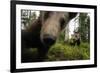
[61,51]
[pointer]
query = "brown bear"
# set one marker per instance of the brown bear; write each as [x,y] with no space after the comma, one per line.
[43,32]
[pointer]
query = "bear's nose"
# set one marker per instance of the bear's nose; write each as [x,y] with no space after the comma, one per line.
[49,40]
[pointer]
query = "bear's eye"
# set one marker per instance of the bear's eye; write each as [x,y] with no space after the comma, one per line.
[62,22]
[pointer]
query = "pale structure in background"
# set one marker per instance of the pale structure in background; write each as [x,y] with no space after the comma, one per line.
[72,25]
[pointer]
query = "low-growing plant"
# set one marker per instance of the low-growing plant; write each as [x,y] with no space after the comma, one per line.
[62,51]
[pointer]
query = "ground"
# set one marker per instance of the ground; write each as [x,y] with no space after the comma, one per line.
[61,51]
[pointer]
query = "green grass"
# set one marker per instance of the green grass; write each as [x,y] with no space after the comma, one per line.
[62,51]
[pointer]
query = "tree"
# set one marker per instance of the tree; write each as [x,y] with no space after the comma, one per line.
[67,33]
[27,17]
[84,27]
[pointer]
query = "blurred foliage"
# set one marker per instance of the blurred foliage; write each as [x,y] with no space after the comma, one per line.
[84,27]
[27,17]
[63,51]
[61,37]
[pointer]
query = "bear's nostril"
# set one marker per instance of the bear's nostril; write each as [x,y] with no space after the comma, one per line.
[48,41]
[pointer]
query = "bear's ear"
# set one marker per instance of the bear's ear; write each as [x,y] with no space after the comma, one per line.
[44,15]
[72,15]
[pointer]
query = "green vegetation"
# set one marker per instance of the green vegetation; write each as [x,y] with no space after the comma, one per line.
[84,27]
[63,51]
